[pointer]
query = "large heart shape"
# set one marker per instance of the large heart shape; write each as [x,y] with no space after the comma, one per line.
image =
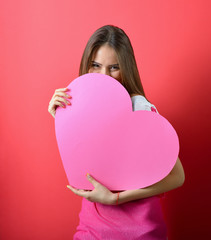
[100,134]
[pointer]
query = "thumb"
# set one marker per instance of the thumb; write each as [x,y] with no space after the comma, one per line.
[91,179]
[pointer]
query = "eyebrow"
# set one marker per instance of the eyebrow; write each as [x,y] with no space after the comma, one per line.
[116,64]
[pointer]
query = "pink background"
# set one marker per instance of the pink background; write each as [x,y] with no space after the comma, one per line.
[41,45]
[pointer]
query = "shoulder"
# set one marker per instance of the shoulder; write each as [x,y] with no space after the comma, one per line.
[139,102]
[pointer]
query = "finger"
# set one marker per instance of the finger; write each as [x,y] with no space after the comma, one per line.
[61,94]
[53,105]
[61,99]
[79,192]
[58,104]
[93,181]
[62,89]
[75,190]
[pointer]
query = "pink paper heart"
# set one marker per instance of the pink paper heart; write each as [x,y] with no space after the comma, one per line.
[100,134]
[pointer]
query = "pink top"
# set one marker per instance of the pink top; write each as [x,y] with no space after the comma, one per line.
[140,219]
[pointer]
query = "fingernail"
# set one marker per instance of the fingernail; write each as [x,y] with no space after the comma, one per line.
[88,175]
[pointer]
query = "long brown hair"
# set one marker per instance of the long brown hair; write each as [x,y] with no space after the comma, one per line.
[117,39]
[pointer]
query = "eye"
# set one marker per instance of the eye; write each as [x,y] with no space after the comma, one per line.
[95,65]
[114,68]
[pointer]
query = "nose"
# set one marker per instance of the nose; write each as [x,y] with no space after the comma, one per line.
[105,71]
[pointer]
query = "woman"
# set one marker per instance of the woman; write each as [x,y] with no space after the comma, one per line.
[131,214]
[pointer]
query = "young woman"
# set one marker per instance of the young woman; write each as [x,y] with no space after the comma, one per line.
[131,214]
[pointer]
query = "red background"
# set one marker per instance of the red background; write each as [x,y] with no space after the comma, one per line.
[41,45]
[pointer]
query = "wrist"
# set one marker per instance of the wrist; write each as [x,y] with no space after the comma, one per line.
[115,198]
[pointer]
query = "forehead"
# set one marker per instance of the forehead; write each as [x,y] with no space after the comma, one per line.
[105,55]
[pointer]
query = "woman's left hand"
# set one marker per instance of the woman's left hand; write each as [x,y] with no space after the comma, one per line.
[99,194]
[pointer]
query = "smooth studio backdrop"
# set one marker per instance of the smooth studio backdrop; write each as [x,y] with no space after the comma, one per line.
[41,44]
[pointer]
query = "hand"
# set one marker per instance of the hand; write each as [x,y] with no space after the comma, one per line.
[99,194]
[58,99]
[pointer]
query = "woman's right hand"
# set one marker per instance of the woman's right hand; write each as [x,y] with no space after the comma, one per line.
[58,99]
